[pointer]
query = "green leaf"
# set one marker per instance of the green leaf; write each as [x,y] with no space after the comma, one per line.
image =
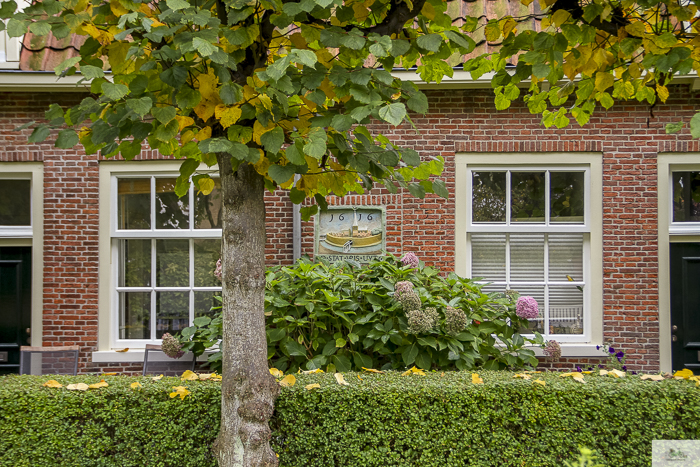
[416,190]
[342,363]
[281,173]
[202,321]
[463,41]
[440,189]
[273,140]
[316,146]
[308,211]
[340,342]
[140,107]
[175,76]
[114,91]
[203,46]
[163,114]
[409,354]
[695,125]
[177,4]
[67,139]
[66,64]
[40,28]
[305,57]
[167,132]
[276,334]
[39,134]
[295,349]
[294,155]
[91,72]
[430,42]
[393,113]
[673,128]
[329,349]
[230,93]
[424,361]
[17,28]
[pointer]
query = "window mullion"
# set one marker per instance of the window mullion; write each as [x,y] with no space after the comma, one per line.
[547,201]
[546,283]
[191,291]
[508,198]
[153,289]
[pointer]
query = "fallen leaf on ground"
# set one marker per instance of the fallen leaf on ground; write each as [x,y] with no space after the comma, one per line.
[476,379]
[309,387]
[653,377]
[77,387]
[179,391]
[136,385]
[372,370]
[276,373]
[189,375]
[101,384]
[288,381]
[52,383]
[341,380]
[157,378]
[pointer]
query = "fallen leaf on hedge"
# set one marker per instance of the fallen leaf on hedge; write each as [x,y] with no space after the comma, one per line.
[684,373]
[123,350]
[207,376]
[309,387]
[476,379]
[276,373]
[110,374]
[77,387]
[358,377]
[575,375]
[52,383]
[101,384]
[288,381]
[696,379]
[189,375]
[617,373]
[157,378]
[587,372]
[539,381]
[179,391]
[522,375]
[531,371]
[310,372]
[653,377]
[136,385]
[413,371]
[603,372]
[372,370]
[341,380]
[442,374]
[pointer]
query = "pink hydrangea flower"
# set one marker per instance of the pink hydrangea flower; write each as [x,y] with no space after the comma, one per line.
[552,350]
[410,259]
[526,307]
[217,271]
[401,288]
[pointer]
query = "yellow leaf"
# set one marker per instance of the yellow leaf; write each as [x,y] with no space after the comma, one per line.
[653,377]
[206,186]
[186,137]
[539,381]
[579,379]
[276,373]
[204,133]
[684,373]
[361,11]
[358,377]
[587,372]
[77,387]
[259,130]
[179,391]
[636,29]
[559,17]
[207,86]
[545,23]
[372,370]
[617,373]
[603,80]
[266,101]
[522,375]
[189,375]
[546,3]
[249,93]
[205,109]
[696,379]
[492,31]
[184,121]
[526,2]
[288,381]
[110,374]
[101,384]
[341,380]
[662,91]
[577,374]
[227,116]
[428,11]
[117,8]
[603,372]
[311,372]
[476,379]
[157,378]
[206,376]
[136,385]
[413,371]
[123,350]
[507,25]
[309,387]
[52,383]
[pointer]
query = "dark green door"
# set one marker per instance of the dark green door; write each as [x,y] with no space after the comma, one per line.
[685,306]
[15,304]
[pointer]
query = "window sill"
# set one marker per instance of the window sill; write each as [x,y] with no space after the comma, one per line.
[575,350]
[136,356]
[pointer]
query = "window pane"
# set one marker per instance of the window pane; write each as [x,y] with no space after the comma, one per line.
[527,196]
[565,309]
[488,196]
[134,203]
[15,202]
[527,257]
[172,312]
[204,302]
[135,267]
[489,256]
[566,197]
[171,212]
[686,196]
[207,208]
[172,263]
[206,254]
[565,257]
[536,292]
[134,315]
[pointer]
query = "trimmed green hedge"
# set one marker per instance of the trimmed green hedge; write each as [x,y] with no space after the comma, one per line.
[381,420]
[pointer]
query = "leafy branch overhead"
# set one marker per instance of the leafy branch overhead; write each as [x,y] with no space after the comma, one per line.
[285,86]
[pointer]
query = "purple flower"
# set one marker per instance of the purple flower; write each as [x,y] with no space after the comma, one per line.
[601,366]
[633,372]
[620,354]
[624,367]
[526,307]
[611,350]
[619,359]
[410,259]
[401,288]
[597,347]
[578,368]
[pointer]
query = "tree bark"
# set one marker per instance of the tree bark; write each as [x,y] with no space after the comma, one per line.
[248,391]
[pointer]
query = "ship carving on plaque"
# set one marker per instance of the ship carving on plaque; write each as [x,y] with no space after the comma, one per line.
[355,231]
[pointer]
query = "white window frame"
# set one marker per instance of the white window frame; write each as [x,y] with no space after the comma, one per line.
[20,231]
[11,47]
[680,228]
[591,164]
[110,236]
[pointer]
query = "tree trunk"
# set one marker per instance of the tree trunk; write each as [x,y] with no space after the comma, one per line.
[248,391]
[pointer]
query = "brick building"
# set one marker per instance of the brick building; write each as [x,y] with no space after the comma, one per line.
[594,222]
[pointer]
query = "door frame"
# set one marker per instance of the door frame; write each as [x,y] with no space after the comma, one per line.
[33,237]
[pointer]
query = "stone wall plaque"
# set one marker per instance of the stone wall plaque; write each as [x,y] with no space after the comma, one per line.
[350,232]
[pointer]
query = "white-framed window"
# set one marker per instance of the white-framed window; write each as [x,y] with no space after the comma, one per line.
[11,47]
[164,251]
[16,205]
[529,230]
[684,199]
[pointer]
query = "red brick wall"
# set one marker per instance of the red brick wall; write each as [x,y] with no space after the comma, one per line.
[458,121]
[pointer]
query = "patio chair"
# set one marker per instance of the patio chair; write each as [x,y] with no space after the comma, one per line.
[171,367]
[49,360]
